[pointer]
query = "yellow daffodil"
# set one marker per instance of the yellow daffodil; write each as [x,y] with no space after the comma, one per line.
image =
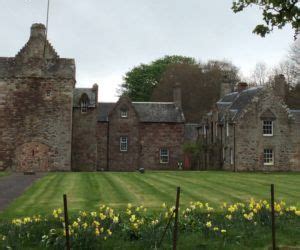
[208,224]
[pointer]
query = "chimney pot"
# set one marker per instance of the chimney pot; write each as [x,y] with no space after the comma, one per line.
[242,86]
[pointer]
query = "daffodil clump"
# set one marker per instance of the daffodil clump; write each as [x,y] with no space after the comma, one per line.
[228,223]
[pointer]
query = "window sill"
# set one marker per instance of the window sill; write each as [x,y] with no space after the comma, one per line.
[268,135]
[268,164]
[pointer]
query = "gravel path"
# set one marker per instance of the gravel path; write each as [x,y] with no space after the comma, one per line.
[13,185]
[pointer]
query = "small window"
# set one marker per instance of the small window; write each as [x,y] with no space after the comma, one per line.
[231,157]
[267,128]
[227,129]
[48,93]
[123,143]
[84,106]
[164,155]
[268,157]
[124,113]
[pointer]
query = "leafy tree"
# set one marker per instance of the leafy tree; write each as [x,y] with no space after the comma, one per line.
[276,13]
[200,85]
[141,80]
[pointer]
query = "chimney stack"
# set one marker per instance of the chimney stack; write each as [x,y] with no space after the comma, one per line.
[242,86]
[280,85]
[38,30]
[226,85]
[177,95]
[95,89]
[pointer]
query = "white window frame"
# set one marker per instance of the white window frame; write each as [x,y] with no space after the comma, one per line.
[268,157]
[267,125]
[84,106]
[123,144]
[124,113]
[164,154]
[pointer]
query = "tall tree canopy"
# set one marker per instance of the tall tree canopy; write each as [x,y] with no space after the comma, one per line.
[276,13]
[200,85]
[141,80]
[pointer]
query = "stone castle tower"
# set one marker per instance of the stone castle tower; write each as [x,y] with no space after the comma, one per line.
[36,97]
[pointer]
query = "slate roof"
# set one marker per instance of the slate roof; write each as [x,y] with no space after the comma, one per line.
[147,111]
[78,92]
[236,102]
[103,110]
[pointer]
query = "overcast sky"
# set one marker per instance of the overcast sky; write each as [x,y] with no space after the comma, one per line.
[108,38]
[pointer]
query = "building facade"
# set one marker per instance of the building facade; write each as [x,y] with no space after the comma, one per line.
[36,97]
[46,124]
[253,129]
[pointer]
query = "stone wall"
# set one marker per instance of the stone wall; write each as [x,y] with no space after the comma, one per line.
[102,135]
[84,140]
[250,141]
[36,129]
[123,161]
[155,136]
[36,95]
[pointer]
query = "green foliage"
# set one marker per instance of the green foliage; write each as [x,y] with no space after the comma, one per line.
[140,81]
[193,148]
[276,13]
[226,226]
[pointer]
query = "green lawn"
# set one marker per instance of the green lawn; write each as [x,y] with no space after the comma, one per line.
[87,190]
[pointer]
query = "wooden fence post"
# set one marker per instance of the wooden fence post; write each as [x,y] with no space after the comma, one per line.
[66,223]
[175,233]
[273,218]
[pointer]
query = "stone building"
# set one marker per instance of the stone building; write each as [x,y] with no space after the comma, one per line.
[252,129]
[46,124]
[36,96]
[139,134]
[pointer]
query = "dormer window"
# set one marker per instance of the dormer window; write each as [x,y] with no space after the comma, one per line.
[84,106]
[124,113]
[267,128]
[84,103]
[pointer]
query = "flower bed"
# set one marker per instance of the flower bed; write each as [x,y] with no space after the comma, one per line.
[231,224]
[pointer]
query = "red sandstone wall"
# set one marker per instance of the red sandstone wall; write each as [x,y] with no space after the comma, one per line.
[36,128]
[154,136]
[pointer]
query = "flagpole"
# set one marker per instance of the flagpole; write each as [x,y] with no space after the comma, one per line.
[47,23]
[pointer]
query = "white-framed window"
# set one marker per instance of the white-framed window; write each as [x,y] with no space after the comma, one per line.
[268,156]
[164,155]
[267,128]
[227,129]
[123,143]
[124,113]
[84,106]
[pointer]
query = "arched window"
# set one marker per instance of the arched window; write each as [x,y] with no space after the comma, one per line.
[84,103]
